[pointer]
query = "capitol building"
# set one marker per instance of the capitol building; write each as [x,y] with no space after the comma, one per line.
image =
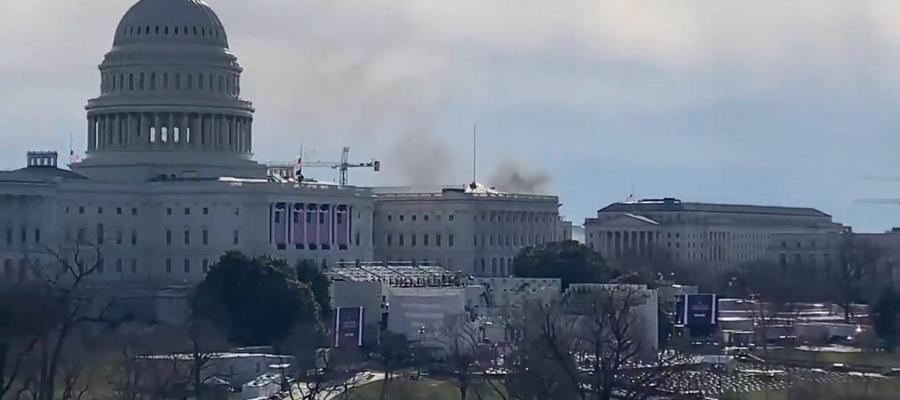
[169,183]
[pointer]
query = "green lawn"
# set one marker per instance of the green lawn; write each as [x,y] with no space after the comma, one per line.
[407,389]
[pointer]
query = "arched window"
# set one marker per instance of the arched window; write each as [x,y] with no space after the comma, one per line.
[195,31]
[211,86]
[141,82]
[153,81]
[121,81]
[190,81]
[221,83]
[177,81]
[166,30]
[176,30]
[147,30]
[176,134]
[200,82]
[165,81]
[130,81]
[164,134]
[156,30]
[152,134]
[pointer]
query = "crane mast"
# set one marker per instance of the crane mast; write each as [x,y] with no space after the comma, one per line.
[343,166]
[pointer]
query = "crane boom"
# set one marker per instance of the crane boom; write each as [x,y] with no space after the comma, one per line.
[342,166]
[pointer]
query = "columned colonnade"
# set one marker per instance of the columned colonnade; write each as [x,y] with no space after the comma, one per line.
[617,243]
[169,130]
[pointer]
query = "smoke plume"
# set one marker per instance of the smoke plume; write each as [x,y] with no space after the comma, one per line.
[510,177]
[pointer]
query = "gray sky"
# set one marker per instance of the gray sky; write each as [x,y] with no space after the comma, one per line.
[771,102]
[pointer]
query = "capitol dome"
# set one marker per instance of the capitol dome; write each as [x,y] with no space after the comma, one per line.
[170,96]
[176,21]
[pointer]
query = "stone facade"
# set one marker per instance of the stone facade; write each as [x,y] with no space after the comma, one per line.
[719,235]
[477,231]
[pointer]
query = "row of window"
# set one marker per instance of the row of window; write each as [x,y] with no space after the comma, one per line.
[175,30]
[514,217]
[186,266]
[428,240]
[141,81]
[100,237]
[425,217]
[10,236]
[508,240]
[100,210]
[499,267]
[134,211]
[204,237]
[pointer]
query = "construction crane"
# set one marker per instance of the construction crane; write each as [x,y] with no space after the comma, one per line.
[342,166]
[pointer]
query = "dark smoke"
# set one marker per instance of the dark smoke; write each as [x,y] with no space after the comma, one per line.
[509,177]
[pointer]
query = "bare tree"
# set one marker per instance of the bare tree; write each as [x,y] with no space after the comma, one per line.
[393,352]
[45,360]
[857,263]
[466,354]
[590,346]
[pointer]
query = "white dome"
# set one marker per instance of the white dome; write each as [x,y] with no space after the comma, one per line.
[170,95]
[171,21]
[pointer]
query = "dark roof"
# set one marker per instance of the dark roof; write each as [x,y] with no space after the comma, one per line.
[38,174]
[674,205]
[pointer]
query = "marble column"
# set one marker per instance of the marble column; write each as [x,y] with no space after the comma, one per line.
[156,130]
[92,134]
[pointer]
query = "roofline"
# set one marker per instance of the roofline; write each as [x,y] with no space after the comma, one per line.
[635,207]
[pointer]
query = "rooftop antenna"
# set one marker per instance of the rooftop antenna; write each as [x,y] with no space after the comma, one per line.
[474,184]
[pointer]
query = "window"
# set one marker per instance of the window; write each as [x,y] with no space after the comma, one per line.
[133,266]
[134,211]
[119,265]
[118,210]
[425,240]
[169,211]
[37,235]
[401,218]
[390,218]
[437,240]
[187,211]
[169,237]
[81,210]
[99,210]
[187,266]
[237,211]
[450,240]
[390,239]
[236,238]
[100,234]
[100,265]
[80,235]
[168,265]
[134,238]
[450,217]
[400,241]
[205,267]
[414,217]
[187,238]
[412,240]
[356,242]
[205,237]
[205,210]
[119,237]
